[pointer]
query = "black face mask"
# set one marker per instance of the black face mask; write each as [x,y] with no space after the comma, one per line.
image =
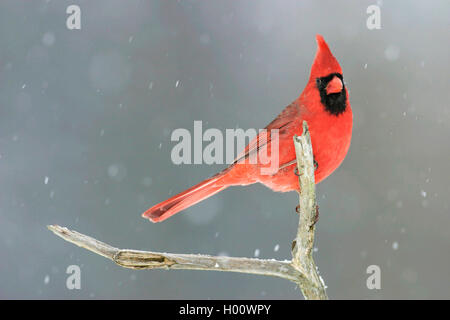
[334,103]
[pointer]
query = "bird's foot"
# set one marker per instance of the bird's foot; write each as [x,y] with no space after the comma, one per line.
[316,166]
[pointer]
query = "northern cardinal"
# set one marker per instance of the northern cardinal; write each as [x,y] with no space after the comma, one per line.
[324,104]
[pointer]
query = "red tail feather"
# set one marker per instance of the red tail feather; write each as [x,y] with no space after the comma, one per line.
[181,201]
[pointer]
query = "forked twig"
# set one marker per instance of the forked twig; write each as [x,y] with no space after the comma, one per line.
[301,269]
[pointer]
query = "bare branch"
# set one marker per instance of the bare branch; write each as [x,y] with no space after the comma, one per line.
[135,259]
[301,270]
[313,287]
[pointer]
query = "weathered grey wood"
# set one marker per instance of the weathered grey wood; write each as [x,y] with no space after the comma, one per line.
[136,259]
[312,284]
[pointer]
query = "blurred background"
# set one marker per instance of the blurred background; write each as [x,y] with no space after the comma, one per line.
[85,123]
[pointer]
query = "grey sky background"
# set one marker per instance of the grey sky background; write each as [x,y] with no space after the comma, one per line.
[93,109]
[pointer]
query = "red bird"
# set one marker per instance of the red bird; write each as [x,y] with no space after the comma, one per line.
[324,104]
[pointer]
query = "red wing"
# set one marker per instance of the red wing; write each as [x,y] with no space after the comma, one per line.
[264,137]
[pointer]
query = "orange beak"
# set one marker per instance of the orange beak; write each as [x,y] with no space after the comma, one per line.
[334,86]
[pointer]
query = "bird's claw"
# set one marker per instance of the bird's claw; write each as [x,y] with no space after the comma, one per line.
[316,166]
